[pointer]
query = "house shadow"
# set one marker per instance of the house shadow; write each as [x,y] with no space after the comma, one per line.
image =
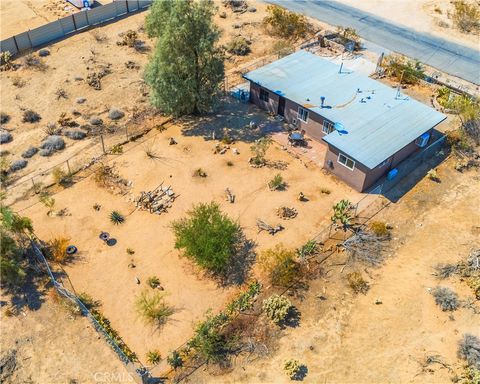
[240,121]
[412,170]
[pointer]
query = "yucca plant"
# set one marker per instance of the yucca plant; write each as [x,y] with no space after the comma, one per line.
[153,357]
[151,306]
[117,218]
[277,183]
[175,360]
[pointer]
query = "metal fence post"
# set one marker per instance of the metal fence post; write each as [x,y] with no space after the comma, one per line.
[103,145]
[126,132]
[33,185]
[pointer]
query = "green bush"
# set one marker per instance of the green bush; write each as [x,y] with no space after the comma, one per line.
[400,68]
[117,218]
[259,150]
[175,360]
[153,282]
[238,46]
[286,24]
[152,307]
[293,369]
[208,237]
[277,308]
[277,183]
[280,265]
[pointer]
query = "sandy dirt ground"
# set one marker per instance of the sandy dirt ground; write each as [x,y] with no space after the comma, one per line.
[44,355]
[103,272]
[350,339]
[423,16]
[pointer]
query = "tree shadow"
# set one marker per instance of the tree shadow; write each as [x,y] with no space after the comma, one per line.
[237,271]
[302,372]
[232,117]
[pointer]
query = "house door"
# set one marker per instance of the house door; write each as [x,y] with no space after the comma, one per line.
[281,106]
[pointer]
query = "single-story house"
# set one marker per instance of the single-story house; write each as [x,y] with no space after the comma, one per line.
[368,127]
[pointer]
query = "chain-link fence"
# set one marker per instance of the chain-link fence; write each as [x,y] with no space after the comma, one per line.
[137,371]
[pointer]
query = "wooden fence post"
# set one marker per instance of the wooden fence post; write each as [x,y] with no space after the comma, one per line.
[68,167]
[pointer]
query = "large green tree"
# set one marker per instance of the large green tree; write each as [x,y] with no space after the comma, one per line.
[186,71]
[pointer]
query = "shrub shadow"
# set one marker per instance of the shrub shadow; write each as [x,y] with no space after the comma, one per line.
[237,271]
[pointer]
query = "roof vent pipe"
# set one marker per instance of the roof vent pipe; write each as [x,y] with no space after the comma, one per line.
[322,100]
[341,67]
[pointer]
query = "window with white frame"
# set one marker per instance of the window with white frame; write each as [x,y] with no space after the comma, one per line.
[263,95]
[302,114]
[327,127]
[346,161]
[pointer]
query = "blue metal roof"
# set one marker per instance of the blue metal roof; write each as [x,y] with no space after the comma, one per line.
[377,122]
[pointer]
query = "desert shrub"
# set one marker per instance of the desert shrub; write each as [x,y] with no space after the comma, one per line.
[308,249]
[357,282]
[444,271]
[61,177]
[153,282]
[57,249]
[18,165]
[282,48]
[34,62]
[53,143]
[445,298]
[401,68]
[28,153]
[75,134]
[286,24]
[88,301]
[259,150]
[5,137]
[280,265]
[293,369]
[130,251]
[153,357]
[6,61]
[379,228]
[277,308]
[47,200]
[129,38]
[18,82]
[469,350]
[466,17]
[468,111]
[61,94]
[4,170]
[115,113]
[325,191]
[151,306]
[474,283]
[207,236]
[238,46]
[277,183]
[95,120]
[199,172]
[4,118]
[433,175]
[230,163]
[117,149]
[342,213]
[175,360]
[30,116]
[117,218]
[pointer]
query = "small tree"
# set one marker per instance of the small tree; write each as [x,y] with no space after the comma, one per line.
[259,150]
[207,236]
[186,70]
[280,265]
[277,308]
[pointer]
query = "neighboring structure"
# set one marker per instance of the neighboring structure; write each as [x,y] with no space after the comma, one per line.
[368,127]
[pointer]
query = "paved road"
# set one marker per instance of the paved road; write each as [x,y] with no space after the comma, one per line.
[446,56]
